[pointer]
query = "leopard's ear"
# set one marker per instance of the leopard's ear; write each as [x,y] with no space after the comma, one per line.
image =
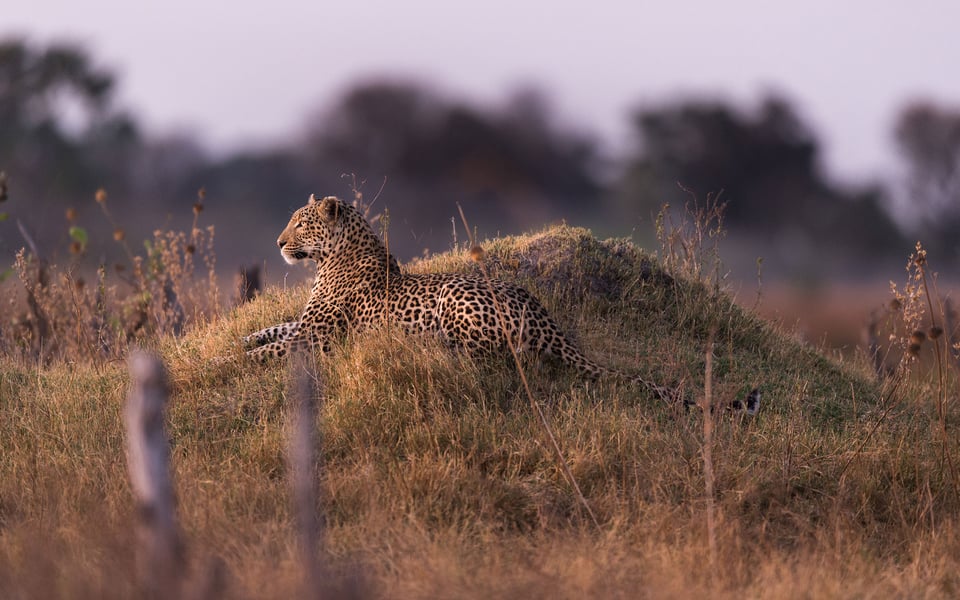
[329,209]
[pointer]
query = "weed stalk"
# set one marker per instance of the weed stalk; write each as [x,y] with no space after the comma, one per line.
[935,335]
[477,253]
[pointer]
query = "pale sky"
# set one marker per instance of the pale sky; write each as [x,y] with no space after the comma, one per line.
[240,72]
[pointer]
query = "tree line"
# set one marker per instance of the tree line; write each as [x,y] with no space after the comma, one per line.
[512,166]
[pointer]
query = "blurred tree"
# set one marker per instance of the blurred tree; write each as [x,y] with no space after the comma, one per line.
[374,126]
[33,82]
[708,147]
[517,149]
[767,167]
[928,137]
[60,139]
[569,161]
[510,168]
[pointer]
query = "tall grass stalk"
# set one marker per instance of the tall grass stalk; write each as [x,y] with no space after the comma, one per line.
[476,253]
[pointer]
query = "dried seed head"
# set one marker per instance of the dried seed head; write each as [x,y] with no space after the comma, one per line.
[197,208]
[935,332]
[202,194]
[918,337]
[476,254]
[76,248]
[191,248]
[79,283]
[896,304]
[70,214]
[100,196]
[118,234]
[913,349]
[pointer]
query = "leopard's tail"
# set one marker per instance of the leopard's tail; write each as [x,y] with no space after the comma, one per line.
[572,355]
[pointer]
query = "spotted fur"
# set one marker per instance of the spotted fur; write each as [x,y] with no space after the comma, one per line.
[358,284]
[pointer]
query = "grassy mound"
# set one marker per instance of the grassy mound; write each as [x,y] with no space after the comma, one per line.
[436,477]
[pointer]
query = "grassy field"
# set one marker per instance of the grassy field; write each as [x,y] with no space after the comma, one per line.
[437,479]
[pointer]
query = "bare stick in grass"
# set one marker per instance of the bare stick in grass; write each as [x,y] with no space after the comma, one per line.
[148,455]
[477,254]
[708,476]
[302,455]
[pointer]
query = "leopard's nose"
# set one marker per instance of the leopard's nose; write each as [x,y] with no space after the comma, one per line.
[281,243]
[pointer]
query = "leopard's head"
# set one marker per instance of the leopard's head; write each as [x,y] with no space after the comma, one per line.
[319,228]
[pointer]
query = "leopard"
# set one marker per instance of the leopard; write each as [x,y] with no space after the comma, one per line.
[359,284]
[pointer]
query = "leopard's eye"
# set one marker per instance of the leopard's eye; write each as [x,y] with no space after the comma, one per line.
[298,225]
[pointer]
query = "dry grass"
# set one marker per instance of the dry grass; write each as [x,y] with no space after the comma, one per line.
[437,483]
